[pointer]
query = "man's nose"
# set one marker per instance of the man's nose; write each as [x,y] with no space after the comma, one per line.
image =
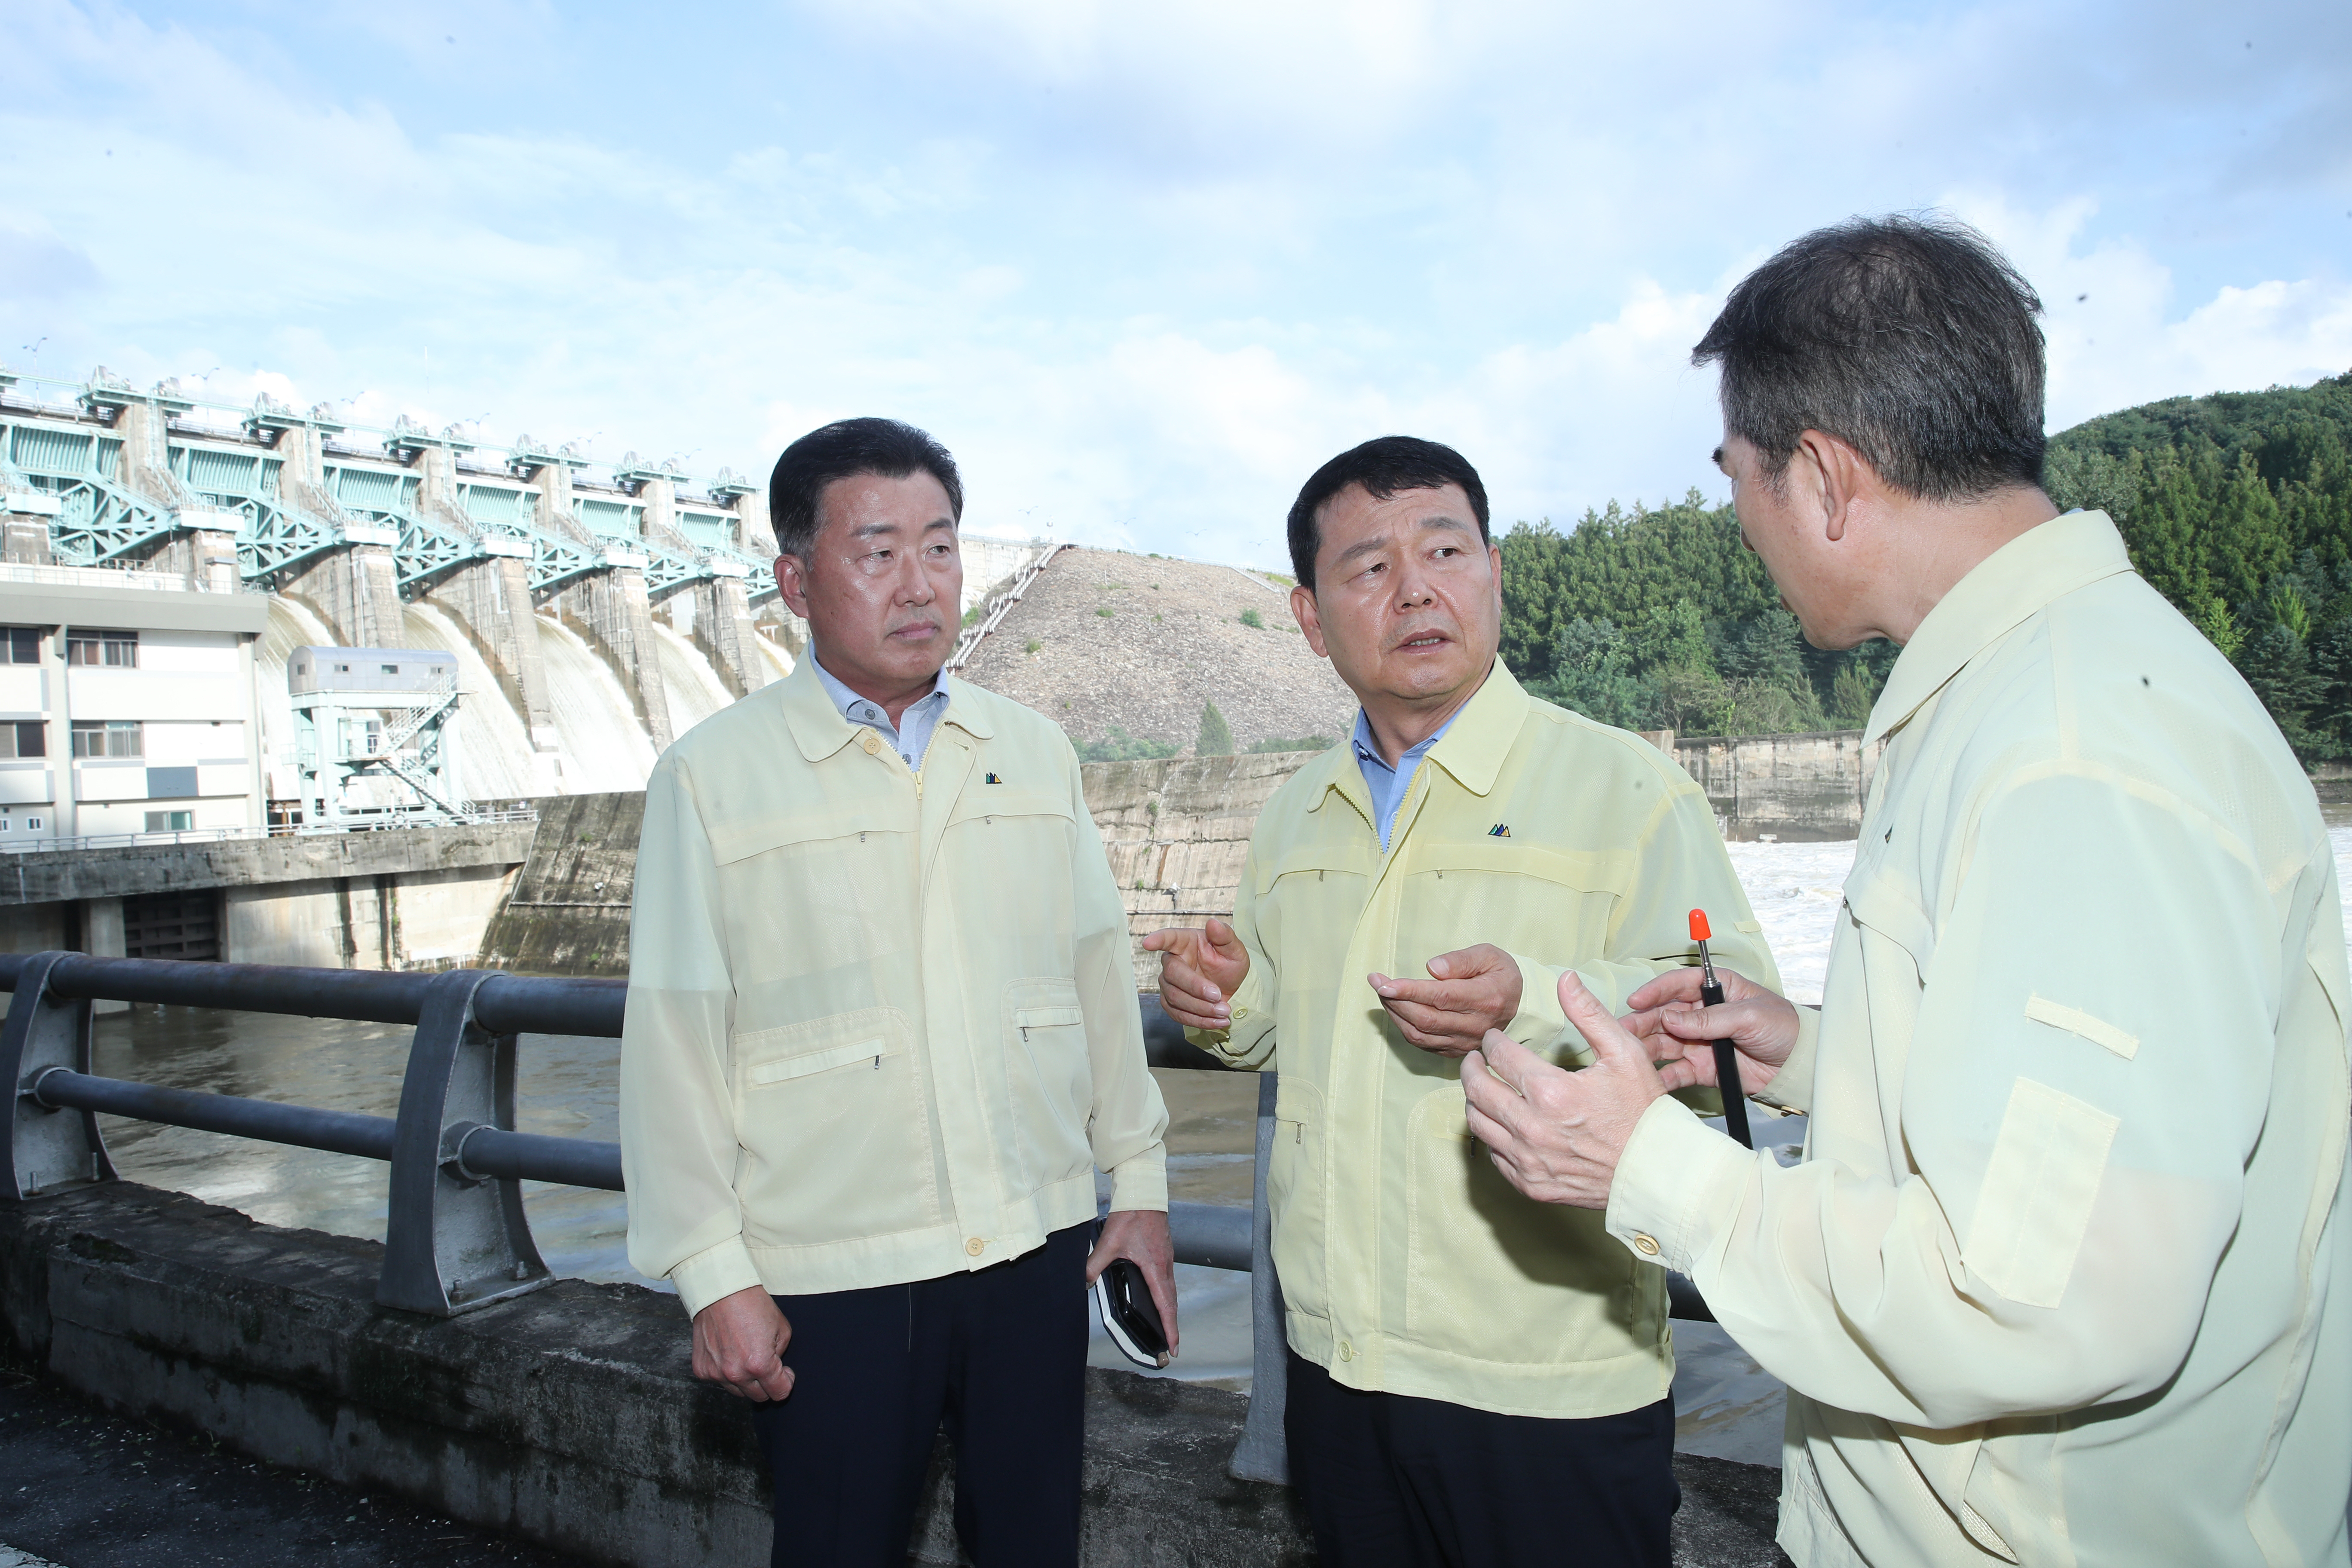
[915,585]
[1414,589]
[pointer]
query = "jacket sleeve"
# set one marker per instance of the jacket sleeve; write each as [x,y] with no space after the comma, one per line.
[1679,864]
[1128,1124]
[2088,1072]
[678,1118]
[1249,1044]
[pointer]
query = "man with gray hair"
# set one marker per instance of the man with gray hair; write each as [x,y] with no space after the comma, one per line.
[2058,1279]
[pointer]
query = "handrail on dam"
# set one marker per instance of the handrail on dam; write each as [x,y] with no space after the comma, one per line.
[456,1236]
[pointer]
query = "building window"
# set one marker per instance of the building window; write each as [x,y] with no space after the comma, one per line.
[108,738]
[32,824]
[171,821]
[392,669]
[114,650]
[25,738]
[23,645]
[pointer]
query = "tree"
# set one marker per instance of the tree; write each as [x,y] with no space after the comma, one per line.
[1216,736]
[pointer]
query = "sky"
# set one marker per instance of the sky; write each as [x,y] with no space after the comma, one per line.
[1141,268]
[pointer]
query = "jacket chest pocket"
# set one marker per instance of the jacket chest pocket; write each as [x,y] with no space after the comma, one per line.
[1048,1078]
[833,1130]
[818,891]
[1522,898]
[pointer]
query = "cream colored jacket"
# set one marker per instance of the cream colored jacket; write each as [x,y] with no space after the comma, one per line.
[1408,1265]
[2059,1281]
[881,1027]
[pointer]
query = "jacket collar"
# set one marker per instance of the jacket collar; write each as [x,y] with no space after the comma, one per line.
[1472,750]
[2015,583]
[820,731]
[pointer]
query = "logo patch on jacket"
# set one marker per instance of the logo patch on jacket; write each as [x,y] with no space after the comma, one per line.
[994,779]
[1499,830]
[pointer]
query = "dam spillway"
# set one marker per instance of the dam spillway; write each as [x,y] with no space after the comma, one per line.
[597,609]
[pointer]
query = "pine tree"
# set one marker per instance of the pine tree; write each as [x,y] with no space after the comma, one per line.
[1216,736]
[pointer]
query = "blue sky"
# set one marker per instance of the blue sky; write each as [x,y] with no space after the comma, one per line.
[1141,268]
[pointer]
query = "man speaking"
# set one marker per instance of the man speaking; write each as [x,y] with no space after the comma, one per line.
[2059,1278]
[882,1028]
[1473,1378]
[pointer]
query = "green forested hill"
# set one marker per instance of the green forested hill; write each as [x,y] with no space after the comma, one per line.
[2238,506]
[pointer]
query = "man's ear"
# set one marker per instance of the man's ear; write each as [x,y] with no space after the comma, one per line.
[791,583]
[1303,610]
[1836,477]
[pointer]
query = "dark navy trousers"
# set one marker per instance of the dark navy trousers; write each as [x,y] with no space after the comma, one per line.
[1391,1481]
[995,1358]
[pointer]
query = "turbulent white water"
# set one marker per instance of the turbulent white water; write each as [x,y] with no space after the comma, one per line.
[695,690]
[604,747]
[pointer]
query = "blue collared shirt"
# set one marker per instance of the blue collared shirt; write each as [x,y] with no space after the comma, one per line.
[1388,783]
[911,736]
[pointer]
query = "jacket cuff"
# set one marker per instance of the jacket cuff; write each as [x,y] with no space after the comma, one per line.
[1663,1196]
[1141,1180]
[1241,1044]
[1791,1088]
[1540,1023]
[715,1273]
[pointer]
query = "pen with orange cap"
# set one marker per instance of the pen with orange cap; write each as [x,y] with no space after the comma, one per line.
[1726,1058]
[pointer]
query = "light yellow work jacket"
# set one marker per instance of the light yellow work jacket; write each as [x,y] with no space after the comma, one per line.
[881,1025]
[1408,1265]
[2060,1280]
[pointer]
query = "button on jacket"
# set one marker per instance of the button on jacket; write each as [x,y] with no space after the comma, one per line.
[2058,1280]
[1408,1265]
[882,1024]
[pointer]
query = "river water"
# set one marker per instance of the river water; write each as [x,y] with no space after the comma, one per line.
[1727,1405]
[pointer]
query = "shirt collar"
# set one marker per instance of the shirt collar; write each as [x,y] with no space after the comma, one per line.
[850,705]
[1471,747]
[819,728]
[2008,587]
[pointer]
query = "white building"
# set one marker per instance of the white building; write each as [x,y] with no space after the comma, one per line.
[127,705]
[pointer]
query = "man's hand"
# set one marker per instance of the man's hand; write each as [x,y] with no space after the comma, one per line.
[1140,1235]
[739,1342]
[1474,990]
[1199,973]
[1667,1016]
[1557,1135]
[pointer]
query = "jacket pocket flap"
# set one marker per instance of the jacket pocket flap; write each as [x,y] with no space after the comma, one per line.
[734,841]
[1046,1017]
[1586,870]
[777,1070]
[1347,860]
[1296,1099]
[984,800]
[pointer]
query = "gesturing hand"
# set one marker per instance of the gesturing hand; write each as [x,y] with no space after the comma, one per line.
[1667,1016]
[1199,973]
[1140,1235]
[739,1342]
[1473,990]
[1557,1135]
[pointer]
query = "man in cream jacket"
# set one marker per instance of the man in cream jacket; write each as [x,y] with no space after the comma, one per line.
[1470,1374]
[882,1030]
[2058,1280]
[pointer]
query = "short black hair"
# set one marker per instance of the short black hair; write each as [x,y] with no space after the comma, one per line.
[1385,465]
[1911,338]
[840,450]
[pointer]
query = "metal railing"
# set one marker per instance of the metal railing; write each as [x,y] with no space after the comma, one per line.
[456,1236]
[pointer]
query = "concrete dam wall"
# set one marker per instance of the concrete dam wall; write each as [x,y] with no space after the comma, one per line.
[1176,831]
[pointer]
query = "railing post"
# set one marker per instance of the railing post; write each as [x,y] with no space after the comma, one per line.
[48,1148]
[1261,1455]
[455,1240]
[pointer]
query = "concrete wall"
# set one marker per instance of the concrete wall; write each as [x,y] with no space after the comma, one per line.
[1792,788]
[420,920]
[569,912]
[569,1416]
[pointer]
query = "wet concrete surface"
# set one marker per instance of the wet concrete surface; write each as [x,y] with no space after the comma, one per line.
[82,1488]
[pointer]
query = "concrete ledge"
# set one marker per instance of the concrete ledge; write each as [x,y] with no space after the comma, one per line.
[49,876]
[571,1417]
